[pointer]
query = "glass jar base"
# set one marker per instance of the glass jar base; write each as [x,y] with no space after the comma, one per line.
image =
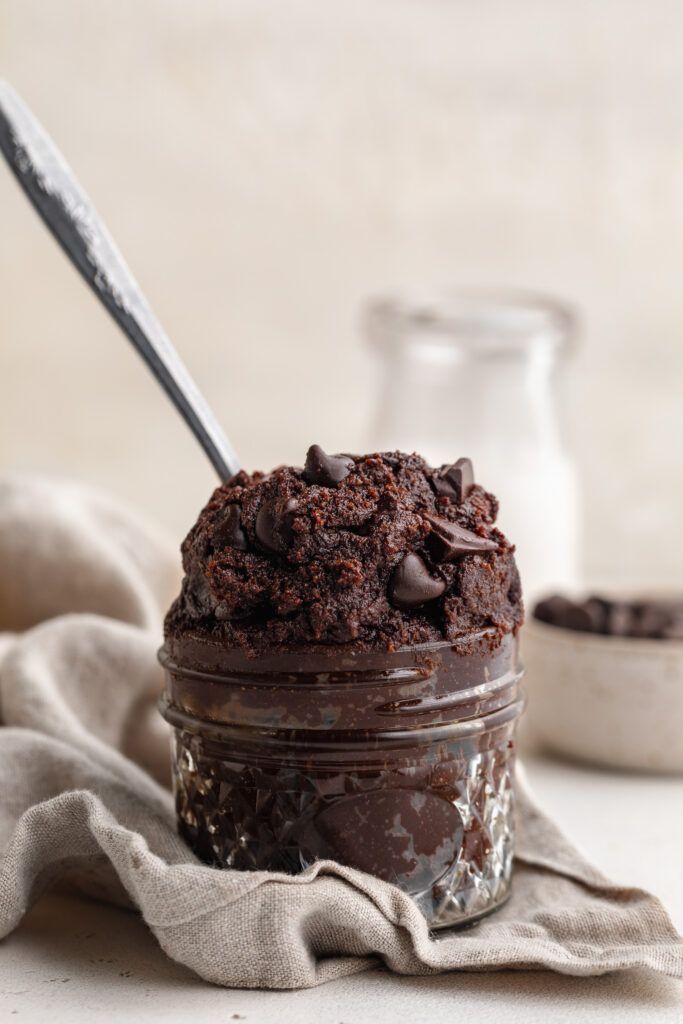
[442,931]
[443,833]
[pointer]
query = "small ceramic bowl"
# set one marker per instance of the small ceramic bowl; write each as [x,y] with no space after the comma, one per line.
[613,701]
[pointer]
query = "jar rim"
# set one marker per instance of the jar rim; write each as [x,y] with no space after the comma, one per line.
[196,651]
[474,319]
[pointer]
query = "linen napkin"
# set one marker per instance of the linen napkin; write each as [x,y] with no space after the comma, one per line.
[84,797]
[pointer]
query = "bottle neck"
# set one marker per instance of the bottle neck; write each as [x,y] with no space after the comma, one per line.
[492,405]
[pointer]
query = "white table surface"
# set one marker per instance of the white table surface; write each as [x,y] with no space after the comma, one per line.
[80,961]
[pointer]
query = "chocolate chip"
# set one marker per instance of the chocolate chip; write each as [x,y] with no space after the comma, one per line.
[552,609]
[674,629]
[578,617]
[411,585]
[448,540]
[265,527]
[600,611]
[619,619]
[560,611]
[651,620]
[610,617]
[456,481]
[228,532]
[326,470]
[273,530]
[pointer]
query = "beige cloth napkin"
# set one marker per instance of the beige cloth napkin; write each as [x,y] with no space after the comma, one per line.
[84,798]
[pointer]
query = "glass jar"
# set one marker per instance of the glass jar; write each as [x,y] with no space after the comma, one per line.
[400,764]
[477,374]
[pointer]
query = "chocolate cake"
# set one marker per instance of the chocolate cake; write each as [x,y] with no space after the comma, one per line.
[342,678]
[378,551]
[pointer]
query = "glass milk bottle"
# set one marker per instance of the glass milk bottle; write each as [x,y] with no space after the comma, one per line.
[477,374]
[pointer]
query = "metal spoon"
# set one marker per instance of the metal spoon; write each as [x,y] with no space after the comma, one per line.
[52,188]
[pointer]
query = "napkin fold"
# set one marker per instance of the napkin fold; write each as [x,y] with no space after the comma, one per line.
[84,797]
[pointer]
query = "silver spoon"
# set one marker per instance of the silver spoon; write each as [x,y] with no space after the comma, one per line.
[52,188]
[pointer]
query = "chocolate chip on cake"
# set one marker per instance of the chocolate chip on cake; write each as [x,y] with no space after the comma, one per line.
[411,584]
[326,470]
[272,530]
[448,540]
[455,481]
[228,530]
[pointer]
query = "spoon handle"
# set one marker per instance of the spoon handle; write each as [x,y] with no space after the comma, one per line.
[58,198]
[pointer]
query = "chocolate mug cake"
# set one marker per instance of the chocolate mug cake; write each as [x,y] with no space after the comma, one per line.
[343,681]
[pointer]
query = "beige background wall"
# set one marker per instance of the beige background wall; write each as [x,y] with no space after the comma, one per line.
[266,165]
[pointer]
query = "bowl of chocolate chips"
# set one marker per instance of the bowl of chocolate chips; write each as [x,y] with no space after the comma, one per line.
[605,680]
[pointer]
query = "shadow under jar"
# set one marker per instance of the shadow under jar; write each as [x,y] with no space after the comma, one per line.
[400,764]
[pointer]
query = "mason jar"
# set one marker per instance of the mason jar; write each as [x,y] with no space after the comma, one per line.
[397,763]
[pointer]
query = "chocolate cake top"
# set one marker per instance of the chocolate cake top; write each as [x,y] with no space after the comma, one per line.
[375,551]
